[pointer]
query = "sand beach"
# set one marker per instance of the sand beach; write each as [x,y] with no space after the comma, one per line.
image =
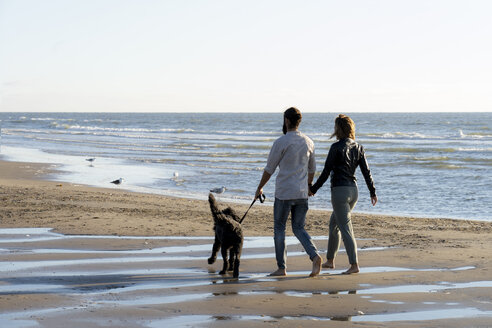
[98,257]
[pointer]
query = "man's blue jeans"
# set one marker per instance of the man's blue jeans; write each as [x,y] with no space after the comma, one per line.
[298,209]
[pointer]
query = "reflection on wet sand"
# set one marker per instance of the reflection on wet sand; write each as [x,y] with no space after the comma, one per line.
[170,276]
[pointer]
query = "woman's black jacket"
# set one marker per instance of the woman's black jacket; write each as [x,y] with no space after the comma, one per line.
[342,160]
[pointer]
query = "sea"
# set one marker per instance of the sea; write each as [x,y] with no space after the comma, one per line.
[435,165]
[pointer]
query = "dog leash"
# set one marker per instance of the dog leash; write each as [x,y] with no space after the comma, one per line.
[262,198]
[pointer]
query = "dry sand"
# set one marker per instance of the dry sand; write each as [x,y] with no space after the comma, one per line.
[416,253]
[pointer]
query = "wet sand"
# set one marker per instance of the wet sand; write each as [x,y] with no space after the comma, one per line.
[105,263]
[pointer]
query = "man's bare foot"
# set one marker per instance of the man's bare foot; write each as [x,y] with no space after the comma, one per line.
[316,266]
[278,273]
[354,268]
[329,264]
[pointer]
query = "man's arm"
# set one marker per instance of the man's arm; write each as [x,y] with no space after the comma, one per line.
[273,161]
[264,179]
[311,171]
[310,178]
[310,184]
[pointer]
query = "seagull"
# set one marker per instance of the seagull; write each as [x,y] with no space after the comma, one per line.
[92,159]
[218,190]
[176,175]
[118,181]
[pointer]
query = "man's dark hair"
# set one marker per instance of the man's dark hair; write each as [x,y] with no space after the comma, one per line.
[294,116]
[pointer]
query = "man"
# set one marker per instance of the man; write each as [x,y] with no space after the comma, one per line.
[293,153]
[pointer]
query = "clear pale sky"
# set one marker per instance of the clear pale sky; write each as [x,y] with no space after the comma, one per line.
[244,56]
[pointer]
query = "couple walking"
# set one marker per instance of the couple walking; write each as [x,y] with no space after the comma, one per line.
[293,153]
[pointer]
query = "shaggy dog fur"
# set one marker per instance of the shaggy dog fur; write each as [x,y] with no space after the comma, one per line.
[228,236]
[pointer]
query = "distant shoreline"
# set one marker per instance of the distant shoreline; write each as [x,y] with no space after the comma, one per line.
[45,172]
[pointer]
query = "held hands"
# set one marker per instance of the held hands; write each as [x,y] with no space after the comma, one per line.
[310,193]
[374,200]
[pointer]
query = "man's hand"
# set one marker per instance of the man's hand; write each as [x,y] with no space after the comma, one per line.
[264,179]
[258,193]
[374,200]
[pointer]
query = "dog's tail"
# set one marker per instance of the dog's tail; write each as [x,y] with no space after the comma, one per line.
[213,207]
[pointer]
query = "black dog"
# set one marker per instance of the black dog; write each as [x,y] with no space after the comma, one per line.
[228,235]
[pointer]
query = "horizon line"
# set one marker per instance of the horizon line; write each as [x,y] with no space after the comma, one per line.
[245,112]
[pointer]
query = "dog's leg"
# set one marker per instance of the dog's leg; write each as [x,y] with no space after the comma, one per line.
[231,260]
[224,258]
[237,255]
[215,249]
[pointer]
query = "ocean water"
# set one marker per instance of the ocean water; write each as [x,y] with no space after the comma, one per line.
[423,164]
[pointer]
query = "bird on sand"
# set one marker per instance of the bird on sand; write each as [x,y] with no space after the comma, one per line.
[218,190]
[92,159]
[117,181]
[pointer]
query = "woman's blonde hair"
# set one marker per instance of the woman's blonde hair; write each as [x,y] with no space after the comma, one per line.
[344,128]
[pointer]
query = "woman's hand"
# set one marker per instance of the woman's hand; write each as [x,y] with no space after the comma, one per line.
[374,200]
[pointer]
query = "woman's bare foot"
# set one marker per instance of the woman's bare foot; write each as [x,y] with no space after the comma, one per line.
[354,268]
[316,266]
[278,273]
[329,264]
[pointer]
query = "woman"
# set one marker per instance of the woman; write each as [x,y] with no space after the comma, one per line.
[342,160]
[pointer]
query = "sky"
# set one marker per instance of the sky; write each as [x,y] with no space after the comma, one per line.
[245,56]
